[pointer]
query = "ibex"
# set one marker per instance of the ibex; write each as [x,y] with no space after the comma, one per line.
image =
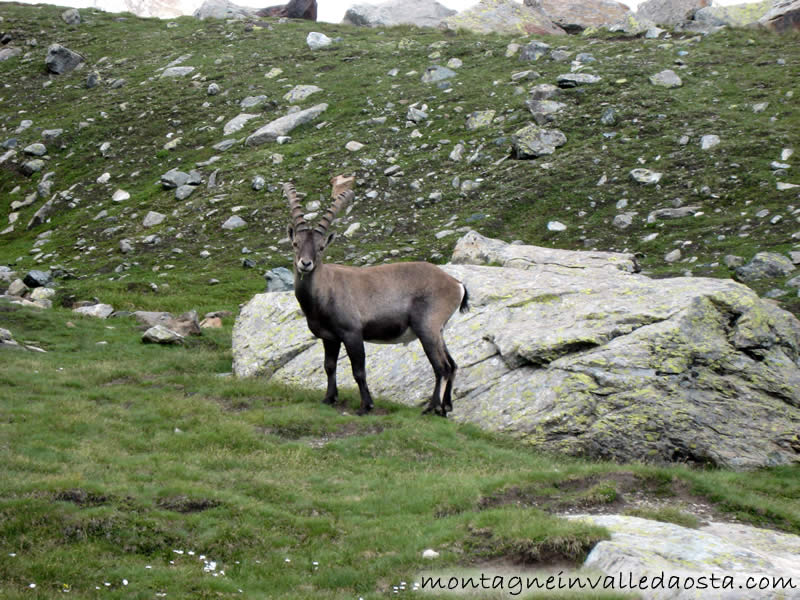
[388,304]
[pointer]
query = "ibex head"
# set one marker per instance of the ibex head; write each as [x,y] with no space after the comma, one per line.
[309,243]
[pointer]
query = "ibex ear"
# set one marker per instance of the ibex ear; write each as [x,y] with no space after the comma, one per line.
[291,233]
[329,239]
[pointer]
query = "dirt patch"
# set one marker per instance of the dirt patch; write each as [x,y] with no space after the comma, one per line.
[492,551]
[184,504]
[609,493]
[82,497]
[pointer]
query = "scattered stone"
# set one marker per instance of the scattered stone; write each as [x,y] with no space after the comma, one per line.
[570,80]
[556,226]
[457,152]
[120,196]
[36,279]
[61,60]
[544,111]
[252,101]
[353,146]
[479,119]
[8,53]
[182,192]
[213,89]
[300,92]
[430,554]
[416,115]
[51,134]
[709,141]
[279,279]
[646,176]
[624,220]
[669,12]
[159,334]
[454,63]
[282,126]
[533,141]
[544,91]
[316,40]
[732,261]
[667,78]
[17,288]
[437,73]
[673,256]
[99,311]
[673,213]
[71,16]
[238,122]
[234,222]
[153,218]
[32,166]
[177,71]
[258,183]
[765,265]
[36,149]
[126,246]
[173,179]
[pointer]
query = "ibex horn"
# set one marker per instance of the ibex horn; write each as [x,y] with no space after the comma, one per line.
[294,207]
[330,214]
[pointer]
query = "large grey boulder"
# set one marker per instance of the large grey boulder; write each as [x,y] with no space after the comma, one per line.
[783,16]
[283,125]
[503,16]
[222,9]
[583,360]
[576,15]
[738,15]
[61,60]
[731,552]
[476,249]
[422,13]
[669,12]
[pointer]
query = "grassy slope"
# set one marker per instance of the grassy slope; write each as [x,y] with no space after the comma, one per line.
[726,74]
[97,484]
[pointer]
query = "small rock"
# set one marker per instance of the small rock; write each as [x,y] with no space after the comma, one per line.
[479,119]
[234,222]
[437,73]
[213,89]
[667,79]
[158,334]
[430,554]
[646,176]
[99,311]
[316,40]
[120,196]
[153,218]
[709,141]
[279,279]
[354,146]
[36,279]
[765,265]
[184,191]
[17,288]
[259,183]
[556,226]
[673,256]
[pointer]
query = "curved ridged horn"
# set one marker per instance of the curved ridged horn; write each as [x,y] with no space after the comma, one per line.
[294,207]
[330,214]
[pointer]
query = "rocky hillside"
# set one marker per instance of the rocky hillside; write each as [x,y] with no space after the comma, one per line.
[151,169]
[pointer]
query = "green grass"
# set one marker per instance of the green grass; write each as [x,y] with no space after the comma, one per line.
[117,456]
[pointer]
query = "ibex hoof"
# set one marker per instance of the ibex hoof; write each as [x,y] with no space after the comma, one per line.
[330,400]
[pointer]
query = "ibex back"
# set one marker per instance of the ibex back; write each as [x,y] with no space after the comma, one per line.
[393,303]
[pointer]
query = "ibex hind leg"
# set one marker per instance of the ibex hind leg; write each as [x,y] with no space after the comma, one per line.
[436,352]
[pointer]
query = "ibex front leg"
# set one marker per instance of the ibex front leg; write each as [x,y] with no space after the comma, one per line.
[354,345]
[331,358]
